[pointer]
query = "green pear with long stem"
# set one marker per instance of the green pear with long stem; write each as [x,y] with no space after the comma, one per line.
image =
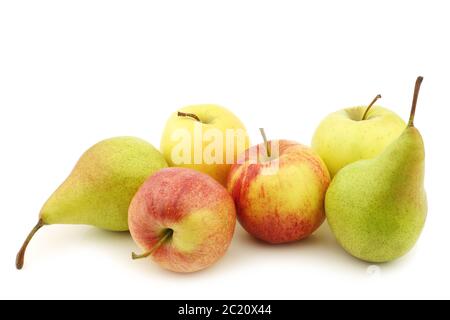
[99,190]
[377,208]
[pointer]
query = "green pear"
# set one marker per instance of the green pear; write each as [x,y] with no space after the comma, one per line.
[377,208]
[100,188]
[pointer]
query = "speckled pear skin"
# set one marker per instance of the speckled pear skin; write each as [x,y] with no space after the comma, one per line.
[377,208]
[103,183]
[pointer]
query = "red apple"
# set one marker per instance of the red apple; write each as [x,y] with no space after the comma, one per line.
[280,197]
[184,219]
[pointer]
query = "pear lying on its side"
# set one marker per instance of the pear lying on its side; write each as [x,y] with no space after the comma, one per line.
[377,208]
[100,188]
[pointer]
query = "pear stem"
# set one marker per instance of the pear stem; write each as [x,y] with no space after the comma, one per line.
[266,142]
[189,115]
[160,242]
[21,255]
[370,106]
[414,103]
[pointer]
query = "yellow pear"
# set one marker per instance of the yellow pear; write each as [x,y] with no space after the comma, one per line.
[101,187]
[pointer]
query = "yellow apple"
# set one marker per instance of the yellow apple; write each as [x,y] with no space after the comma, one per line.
[355,134]
[207,138]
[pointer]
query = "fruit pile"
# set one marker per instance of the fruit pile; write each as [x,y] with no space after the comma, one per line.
[364,174]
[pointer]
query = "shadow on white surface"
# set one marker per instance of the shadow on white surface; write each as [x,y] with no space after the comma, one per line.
[245,251]
[54,244]
[72,255]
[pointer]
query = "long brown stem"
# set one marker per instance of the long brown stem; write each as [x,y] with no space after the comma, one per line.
[189,115]
[370,106]
[266,142]
[414,102]
[21,255]
[160,242]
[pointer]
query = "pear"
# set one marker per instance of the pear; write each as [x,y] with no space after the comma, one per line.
[377,208]
[100,188]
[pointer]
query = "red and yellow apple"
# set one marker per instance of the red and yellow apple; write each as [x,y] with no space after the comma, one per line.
[280,196]
[207,138]
[184,219]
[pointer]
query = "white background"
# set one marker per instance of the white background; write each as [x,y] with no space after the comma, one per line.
[75,72]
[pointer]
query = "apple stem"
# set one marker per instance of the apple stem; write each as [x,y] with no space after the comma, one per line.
[266,142]
[160,242]
[189,115]
[414,103]
[21,255]
[370,106]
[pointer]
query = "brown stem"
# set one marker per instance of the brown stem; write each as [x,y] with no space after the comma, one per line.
[414,103]
[21,255]
[266,142]
[190,115]
[160,242]
[370,106]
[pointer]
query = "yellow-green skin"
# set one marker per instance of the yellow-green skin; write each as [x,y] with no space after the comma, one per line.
[342,138]
[100,188]
[377,208]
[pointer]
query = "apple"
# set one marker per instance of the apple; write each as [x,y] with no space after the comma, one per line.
[207,138]
[355,134]
[183,219]
[279,196]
